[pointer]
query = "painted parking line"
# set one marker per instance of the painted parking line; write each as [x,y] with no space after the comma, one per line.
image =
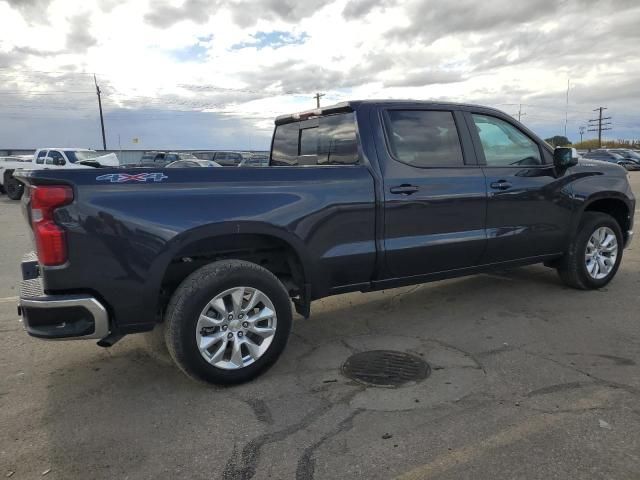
[468,454]
[504,438]
[8,299]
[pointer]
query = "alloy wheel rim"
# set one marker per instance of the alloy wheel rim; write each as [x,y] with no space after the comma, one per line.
[236,328]
[601,253]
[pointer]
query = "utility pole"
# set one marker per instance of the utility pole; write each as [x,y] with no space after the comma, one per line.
[318,96]
[581,129]
[104,141]
[520,113]
[566,110]
[599,124]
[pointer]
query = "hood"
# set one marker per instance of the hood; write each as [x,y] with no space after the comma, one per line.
[608,168]
[108,160]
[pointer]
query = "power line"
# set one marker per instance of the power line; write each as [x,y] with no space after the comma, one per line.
[599,124]
[39,92]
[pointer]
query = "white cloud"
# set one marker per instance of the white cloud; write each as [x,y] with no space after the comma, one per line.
[216,56]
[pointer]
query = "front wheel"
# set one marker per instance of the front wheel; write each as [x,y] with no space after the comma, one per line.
[228,322]
[594,254]
[14,188]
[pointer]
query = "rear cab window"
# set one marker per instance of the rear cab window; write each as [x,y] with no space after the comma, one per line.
[322,141]
[423,138]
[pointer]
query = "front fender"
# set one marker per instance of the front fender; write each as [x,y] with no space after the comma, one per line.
[590,189]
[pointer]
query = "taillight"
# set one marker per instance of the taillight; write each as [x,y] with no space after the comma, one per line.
[51,244]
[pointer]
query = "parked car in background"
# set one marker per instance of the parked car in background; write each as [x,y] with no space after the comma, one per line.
[629,155]
[226,158]
[50,158]
[230,158]
[160,159]
[359,196]
[611,157]
[255,160]
[192,163]
[204,154]
[16,158]
[10,162]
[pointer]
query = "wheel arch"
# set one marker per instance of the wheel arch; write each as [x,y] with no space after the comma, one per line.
[614,204]
[274,249]
[6,175]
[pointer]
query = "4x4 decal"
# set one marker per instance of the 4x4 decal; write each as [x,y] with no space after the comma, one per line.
[127,177]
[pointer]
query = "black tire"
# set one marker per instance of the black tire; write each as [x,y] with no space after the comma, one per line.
[572,268]
[192,296]
[14,188]
[156,346]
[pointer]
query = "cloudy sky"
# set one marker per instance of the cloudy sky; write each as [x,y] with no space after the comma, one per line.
[213,73]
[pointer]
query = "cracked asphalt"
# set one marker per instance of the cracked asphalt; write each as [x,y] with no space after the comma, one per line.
[530,379]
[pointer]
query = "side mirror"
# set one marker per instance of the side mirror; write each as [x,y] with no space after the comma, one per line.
[565,157]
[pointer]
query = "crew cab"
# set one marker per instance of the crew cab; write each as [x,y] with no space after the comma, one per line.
[45,158]
[358,196]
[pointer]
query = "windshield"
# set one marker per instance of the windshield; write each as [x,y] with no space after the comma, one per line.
[80,155]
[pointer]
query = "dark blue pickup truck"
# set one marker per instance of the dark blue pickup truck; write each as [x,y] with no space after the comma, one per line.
[358,196]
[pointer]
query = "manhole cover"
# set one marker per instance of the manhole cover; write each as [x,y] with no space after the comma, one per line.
[385,368]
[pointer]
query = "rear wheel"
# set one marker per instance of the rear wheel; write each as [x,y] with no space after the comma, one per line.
[595,253]
[228,322]
[14,188]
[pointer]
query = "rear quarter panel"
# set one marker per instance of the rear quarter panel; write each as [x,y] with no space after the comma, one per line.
[122,236]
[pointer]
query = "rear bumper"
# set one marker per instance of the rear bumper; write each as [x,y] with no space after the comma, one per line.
[63,317]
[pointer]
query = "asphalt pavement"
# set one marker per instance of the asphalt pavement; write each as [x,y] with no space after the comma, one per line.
[529,379]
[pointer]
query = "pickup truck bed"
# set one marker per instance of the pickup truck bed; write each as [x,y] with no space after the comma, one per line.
[370,205]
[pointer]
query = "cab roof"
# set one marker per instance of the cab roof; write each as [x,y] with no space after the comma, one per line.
[352,105]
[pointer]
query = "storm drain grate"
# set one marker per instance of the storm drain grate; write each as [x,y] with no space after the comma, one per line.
[385,368]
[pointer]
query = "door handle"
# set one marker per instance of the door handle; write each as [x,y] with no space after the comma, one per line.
[404,189]
[500,185]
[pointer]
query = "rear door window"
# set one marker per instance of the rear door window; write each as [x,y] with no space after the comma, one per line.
[424,138]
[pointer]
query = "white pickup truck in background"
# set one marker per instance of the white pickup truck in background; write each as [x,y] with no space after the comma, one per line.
[49,158]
